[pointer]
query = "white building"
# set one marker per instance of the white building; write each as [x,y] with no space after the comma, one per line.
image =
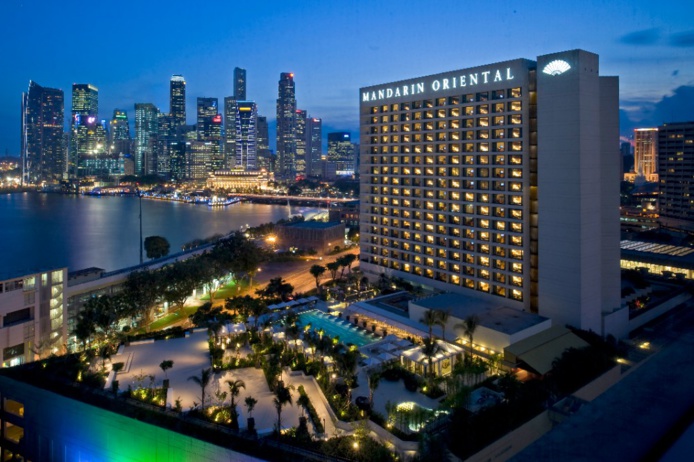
[33,321]
[500,182]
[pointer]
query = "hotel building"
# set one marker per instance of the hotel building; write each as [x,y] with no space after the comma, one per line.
[676,169]
[500,182]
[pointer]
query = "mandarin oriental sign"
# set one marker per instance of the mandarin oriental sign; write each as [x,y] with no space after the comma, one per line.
[464,80]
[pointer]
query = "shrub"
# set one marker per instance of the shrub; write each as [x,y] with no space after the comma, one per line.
[312,411]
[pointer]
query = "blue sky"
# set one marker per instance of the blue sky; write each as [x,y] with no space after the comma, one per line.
[129,49]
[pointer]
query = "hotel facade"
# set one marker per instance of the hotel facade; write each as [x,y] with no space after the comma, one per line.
[499,182]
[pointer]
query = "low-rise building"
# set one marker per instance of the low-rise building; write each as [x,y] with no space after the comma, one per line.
[320,236]
[33,324]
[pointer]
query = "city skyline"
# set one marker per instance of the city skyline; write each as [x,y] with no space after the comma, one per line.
[646,44]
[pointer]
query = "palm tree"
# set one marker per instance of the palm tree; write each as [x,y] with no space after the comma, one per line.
[333,266]
[317,271]
[166,365]
[374,380]
[430,319]
[468,327]
[303,401]
[250,404]
[283,396]
[234,390]
[430,349]
[203,380]
[443,316]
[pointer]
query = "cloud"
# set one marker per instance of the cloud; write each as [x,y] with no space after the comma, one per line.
[683,39]
[641,37]
[678,107]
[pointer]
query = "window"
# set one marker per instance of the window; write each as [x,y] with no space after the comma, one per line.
[13,432]
[13,407]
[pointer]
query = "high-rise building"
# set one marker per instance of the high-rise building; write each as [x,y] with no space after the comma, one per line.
[167,138]
[207,110]
[230,114]
[43,156]
[675,166]
[209,126]
[119,134]
[286,127]
[146,129]
[314,146]
[246,136]
[341,153]
[646,153]
[85,112]
[177,99]
[239,84]
[301,142]
[500,182]
[264,155]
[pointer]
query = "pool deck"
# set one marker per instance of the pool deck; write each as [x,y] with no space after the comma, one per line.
[191,355]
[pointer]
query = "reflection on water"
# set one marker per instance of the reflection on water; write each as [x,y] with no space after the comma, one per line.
[43,231]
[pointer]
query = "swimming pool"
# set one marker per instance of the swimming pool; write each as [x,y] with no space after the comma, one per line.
[333,327]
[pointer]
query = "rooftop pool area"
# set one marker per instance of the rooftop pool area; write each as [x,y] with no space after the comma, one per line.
[336,327]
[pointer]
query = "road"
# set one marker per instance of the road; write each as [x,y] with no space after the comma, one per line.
[296,273]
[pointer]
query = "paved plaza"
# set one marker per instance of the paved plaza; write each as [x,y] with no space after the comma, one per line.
[190,356]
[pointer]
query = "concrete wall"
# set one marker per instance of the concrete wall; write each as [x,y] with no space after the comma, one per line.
[512,443]
[598,386]
[660,310]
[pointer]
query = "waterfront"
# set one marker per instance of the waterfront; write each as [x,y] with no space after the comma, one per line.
[41,231]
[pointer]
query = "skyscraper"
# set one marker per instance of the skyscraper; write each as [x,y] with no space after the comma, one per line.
[230,114]
[341,153]
[675,166]
[646,153]
[246,134]
[239,84]
[314,146]
[177,99]
[286,127]
[167,136]
[146,128]
[264,155]
[85,111]
[209,126]
[119,133]
[301,141]
[43,157]
[499,182]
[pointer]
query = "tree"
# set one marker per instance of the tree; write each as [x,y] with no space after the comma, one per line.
[156,246]
[317,271]
[181,280]
[430,319]
[468,326]
[203,381]
[166,365]
[303,401]
[283,396]
[442,318]
[141,292]
[374,380]
[333,266]
[348,259]
[429,349]
[276,288]
[250,405]
[235,387]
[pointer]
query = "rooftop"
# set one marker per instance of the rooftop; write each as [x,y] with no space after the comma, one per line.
[493,316]
[313,224]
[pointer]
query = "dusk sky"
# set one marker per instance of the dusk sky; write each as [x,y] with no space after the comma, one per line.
[130,49]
